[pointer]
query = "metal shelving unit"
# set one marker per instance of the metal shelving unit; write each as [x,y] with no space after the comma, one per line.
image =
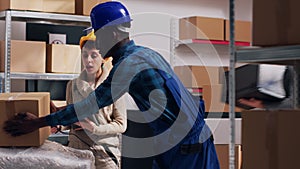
[26,16]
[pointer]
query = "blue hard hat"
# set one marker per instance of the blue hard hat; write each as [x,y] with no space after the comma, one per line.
[109,14]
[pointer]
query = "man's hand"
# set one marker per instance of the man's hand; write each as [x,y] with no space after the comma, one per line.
[23,123]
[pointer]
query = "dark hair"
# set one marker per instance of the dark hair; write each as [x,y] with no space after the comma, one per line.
[90,44]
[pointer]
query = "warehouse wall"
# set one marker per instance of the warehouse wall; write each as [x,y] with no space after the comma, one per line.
[151,19]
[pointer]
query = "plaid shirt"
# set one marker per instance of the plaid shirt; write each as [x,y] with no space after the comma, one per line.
[135,71]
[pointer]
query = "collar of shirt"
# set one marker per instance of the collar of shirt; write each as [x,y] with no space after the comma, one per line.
[121,52]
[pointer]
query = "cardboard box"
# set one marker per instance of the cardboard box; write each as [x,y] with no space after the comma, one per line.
[12,103]
[59,6]
[31,5]
[271,139]
[26,56]
[63,58]
[197,76]
[212,95]
[223,156]
[84,7]
[242,31]
[198,27]
[276,22]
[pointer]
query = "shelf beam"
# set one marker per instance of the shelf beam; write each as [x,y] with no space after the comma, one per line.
[47,16]
[286,55]
[41,76]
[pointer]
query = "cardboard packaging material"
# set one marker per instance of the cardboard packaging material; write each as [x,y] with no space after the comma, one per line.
[59,6]
[26,56]
[242,31]
[212,96]
[84,7]
[197,76]
[11,103]
[270,139]
[198,27]
[276,22]
[31,5]
[63,58]
[223,156]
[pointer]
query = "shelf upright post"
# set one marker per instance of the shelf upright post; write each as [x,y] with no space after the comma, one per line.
[173,40]
[232,85]
[7,51]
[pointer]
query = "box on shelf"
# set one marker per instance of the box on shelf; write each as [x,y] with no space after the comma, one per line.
[212,96]
[197,76]
[276,22]
[242,31]
[11,103]
[23,58]
[84,7]
[270,139]
[223,156]
[31,5]
[59,6]
[63,58]
[198,27]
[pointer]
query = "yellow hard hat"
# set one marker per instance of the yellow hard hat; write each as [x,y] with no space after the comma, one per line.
[89,37]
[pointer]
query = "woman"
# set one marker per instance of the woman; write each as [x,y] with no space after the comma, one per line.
[100,132]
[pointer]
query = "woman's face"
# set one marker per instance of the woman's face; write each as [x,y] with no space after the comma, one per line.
[91,59]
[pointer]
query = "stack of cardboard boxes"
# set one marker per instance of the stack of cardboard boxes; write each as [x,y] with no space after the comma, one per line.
[54,58]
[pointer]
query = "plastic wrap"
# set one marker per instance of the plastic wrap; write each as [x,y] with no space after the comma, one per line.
[50,155]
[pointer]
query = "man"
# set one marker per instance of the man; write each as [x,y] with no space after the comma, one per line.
[181,137]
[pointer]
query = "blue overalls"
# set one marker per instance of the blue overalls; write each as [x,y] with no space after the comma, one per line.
[196,150]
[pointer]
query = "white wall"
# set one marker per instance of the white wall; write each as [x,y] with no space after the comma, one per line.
[151,20]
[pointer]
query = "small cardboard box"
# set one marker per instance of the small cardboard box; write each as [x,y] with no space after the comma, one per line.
[198,27]
[84,7]
[11,103]
[223,156]
[26,56]
[212,96]
[197,76]
[242,31]
[63,58]
[276,22]
[59,6]
[270,139]
[31,5]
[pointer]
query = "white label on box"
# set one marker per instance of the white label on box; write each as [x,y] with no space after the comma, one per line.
[57,38]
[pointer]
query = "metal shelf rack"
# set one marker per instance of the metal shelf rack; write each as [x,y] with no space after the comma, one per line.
[8,16]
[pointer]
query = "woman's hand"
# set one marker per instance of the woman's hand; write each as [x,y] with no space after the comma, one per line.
[107,65]
[86,124]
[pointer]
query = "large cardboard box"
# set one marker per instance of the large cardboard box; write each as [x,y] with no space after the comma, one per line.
[12,103]
[242,31]
[212,96]
[59,6]
[31,5]
[197,76]
[223,156]
[276,22]
[84,7]
[271,139]
[63,58]
[198,27]
[26,56]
